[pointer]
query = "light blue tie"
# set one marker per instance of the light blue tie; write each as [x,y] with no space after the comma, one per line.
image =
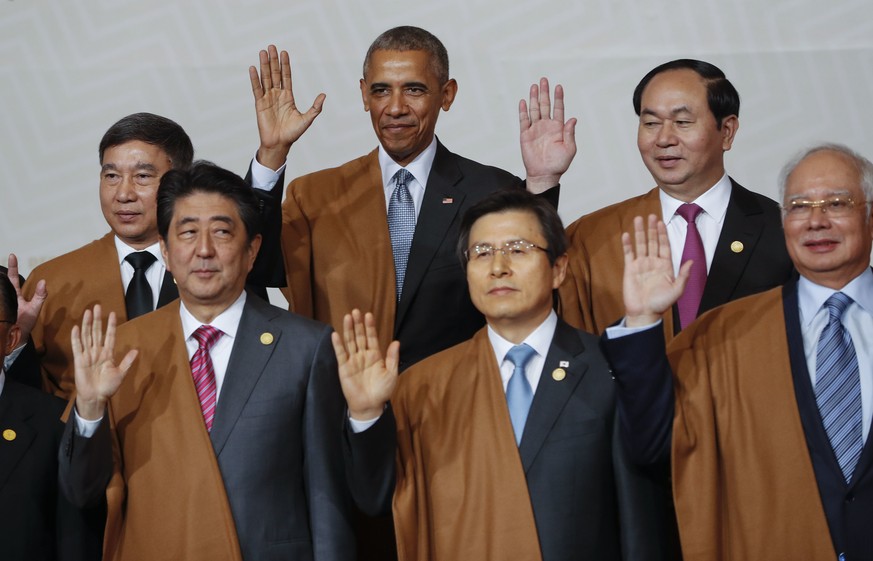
[838,387]
[401,225]
[518,392]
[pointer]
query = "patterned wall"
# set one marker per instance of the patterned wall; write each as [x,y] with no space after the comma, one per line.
[70,68]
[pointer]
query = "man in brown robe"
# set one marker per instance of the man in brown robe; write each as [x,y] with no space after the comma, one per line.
[237,460]
[134,153]
[770,449]
[689,117]
[336,239]
[498,457]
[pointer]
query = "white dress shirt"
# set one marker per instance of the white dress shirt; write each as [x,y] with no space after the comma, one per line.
[714,203]
[419,168]
[154,274]
[227,321]
[540,340]
[857,319]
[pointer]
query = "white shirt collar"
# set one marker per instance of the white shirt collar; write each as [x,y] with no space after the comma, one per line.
[540,339]
[2,379]
[811,297]
[227,321]
[419,167]
[124,250]
[714,201]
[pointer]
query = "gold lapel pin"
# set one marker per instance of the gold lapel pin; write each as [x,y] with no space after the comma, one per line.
[266,338]
[559,374]
[9,435]
[737,247]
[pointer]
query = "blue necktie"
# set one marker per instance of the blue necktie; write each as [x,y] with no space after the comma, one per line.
[401,225]
[838,387]
[518,392]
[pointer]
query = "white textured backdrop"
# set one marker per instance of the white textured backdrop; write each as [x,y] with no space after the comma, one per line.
[70,68]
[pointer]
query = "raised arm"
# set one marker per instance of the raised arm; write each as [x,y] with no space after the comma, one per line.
[97,376]
[644,386]
[548,143]
[280,122]
[368,381]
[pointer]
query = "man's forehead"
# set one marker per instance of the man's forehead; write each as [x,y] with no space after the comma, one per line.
[824,173]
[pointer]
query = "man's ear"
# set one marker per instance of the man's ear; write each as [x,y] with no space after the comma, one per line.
[365,95]
[163,243]
[13,338]
[254,247]
[559,270]
[729,127]
[450,90]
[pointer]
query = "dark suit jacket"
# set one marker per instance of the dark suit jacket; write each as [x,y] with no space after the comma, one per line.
[591,297]
[36,522]
[90,275]
[338,251]
[646,404]
[588,501]
[272,459]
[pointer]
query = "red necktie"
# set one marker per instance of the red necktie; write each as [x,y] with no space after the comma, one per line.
[689,302]
[203,372]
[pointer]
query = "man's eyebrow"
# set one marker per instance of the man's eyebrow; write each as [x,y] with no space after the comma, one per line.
[673,112]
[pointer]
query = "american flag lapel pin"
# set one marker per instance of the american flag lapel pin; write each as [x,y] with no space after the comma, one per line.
[448,200]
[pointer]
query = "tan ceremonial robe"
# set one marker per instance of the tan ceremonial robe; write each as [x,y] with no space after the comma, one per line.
[461,490]
[75,281]
[591,297]
[166,497]
[744,485]
[337,247]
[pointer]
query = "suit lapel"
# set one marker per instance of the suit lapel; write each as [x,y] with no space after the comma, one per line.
[248,359]
[12,418]
[442,201]
[169,292]
[743,222]
[552,395]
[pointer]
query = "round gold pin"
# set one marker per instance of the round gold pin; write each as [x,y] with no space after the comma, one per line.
[9,435]
[737,247]
[559,374]
[266,338]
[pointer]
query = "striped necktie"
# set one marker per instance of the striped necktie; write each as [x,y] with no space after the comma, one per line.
[203,372]
[838,387]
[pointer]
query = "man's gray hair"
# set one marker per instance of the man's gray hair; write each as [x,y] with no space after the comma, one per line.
[863,165]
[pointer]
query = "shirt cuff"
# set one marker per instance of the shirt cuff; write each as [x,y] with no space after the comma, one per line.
[85,428]
[620,330]
[361,426]
[264,178]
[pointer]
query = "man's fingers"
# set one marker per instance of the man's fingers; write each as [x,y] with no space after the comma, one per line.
[570,132]
[544,100]
[523,117]
[392,357]
[534,103]
[652,234]
[360,333]
[275,68]
[257,90]
[370,330]
[12,272]
[559,104]
[349,334]
[127,361]
[265,78]
[663,241]
[338,349]
[285,67]
[640,244]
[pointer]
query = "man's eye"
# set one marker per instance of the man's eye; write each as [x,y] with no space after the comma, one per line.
[800,207]
[838,204]
[484,253]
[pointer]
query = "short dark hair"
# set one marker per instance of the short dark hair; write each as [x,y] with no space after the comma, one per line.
[151,129]
[516,200]
[8,299]
[410,38]
[721,95]
[206,177]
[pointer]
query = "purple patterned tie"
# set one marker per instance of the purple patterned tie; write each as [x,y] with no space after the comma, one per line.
[689,302]
[203,372]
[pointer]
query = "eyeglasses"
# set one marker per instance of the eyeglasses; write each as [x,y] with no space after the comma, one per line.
[835,207]
[516,250]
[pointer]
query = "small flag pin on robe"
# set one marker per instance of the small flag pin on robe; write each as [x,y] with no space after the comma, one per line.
[448,200]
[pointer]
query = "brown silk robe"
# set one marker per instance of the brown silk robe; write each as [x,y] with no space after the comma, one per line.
[743,482]
[461,493]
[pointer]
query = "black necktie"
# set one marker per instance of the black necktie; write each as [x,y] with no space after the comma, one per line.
[139,297]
